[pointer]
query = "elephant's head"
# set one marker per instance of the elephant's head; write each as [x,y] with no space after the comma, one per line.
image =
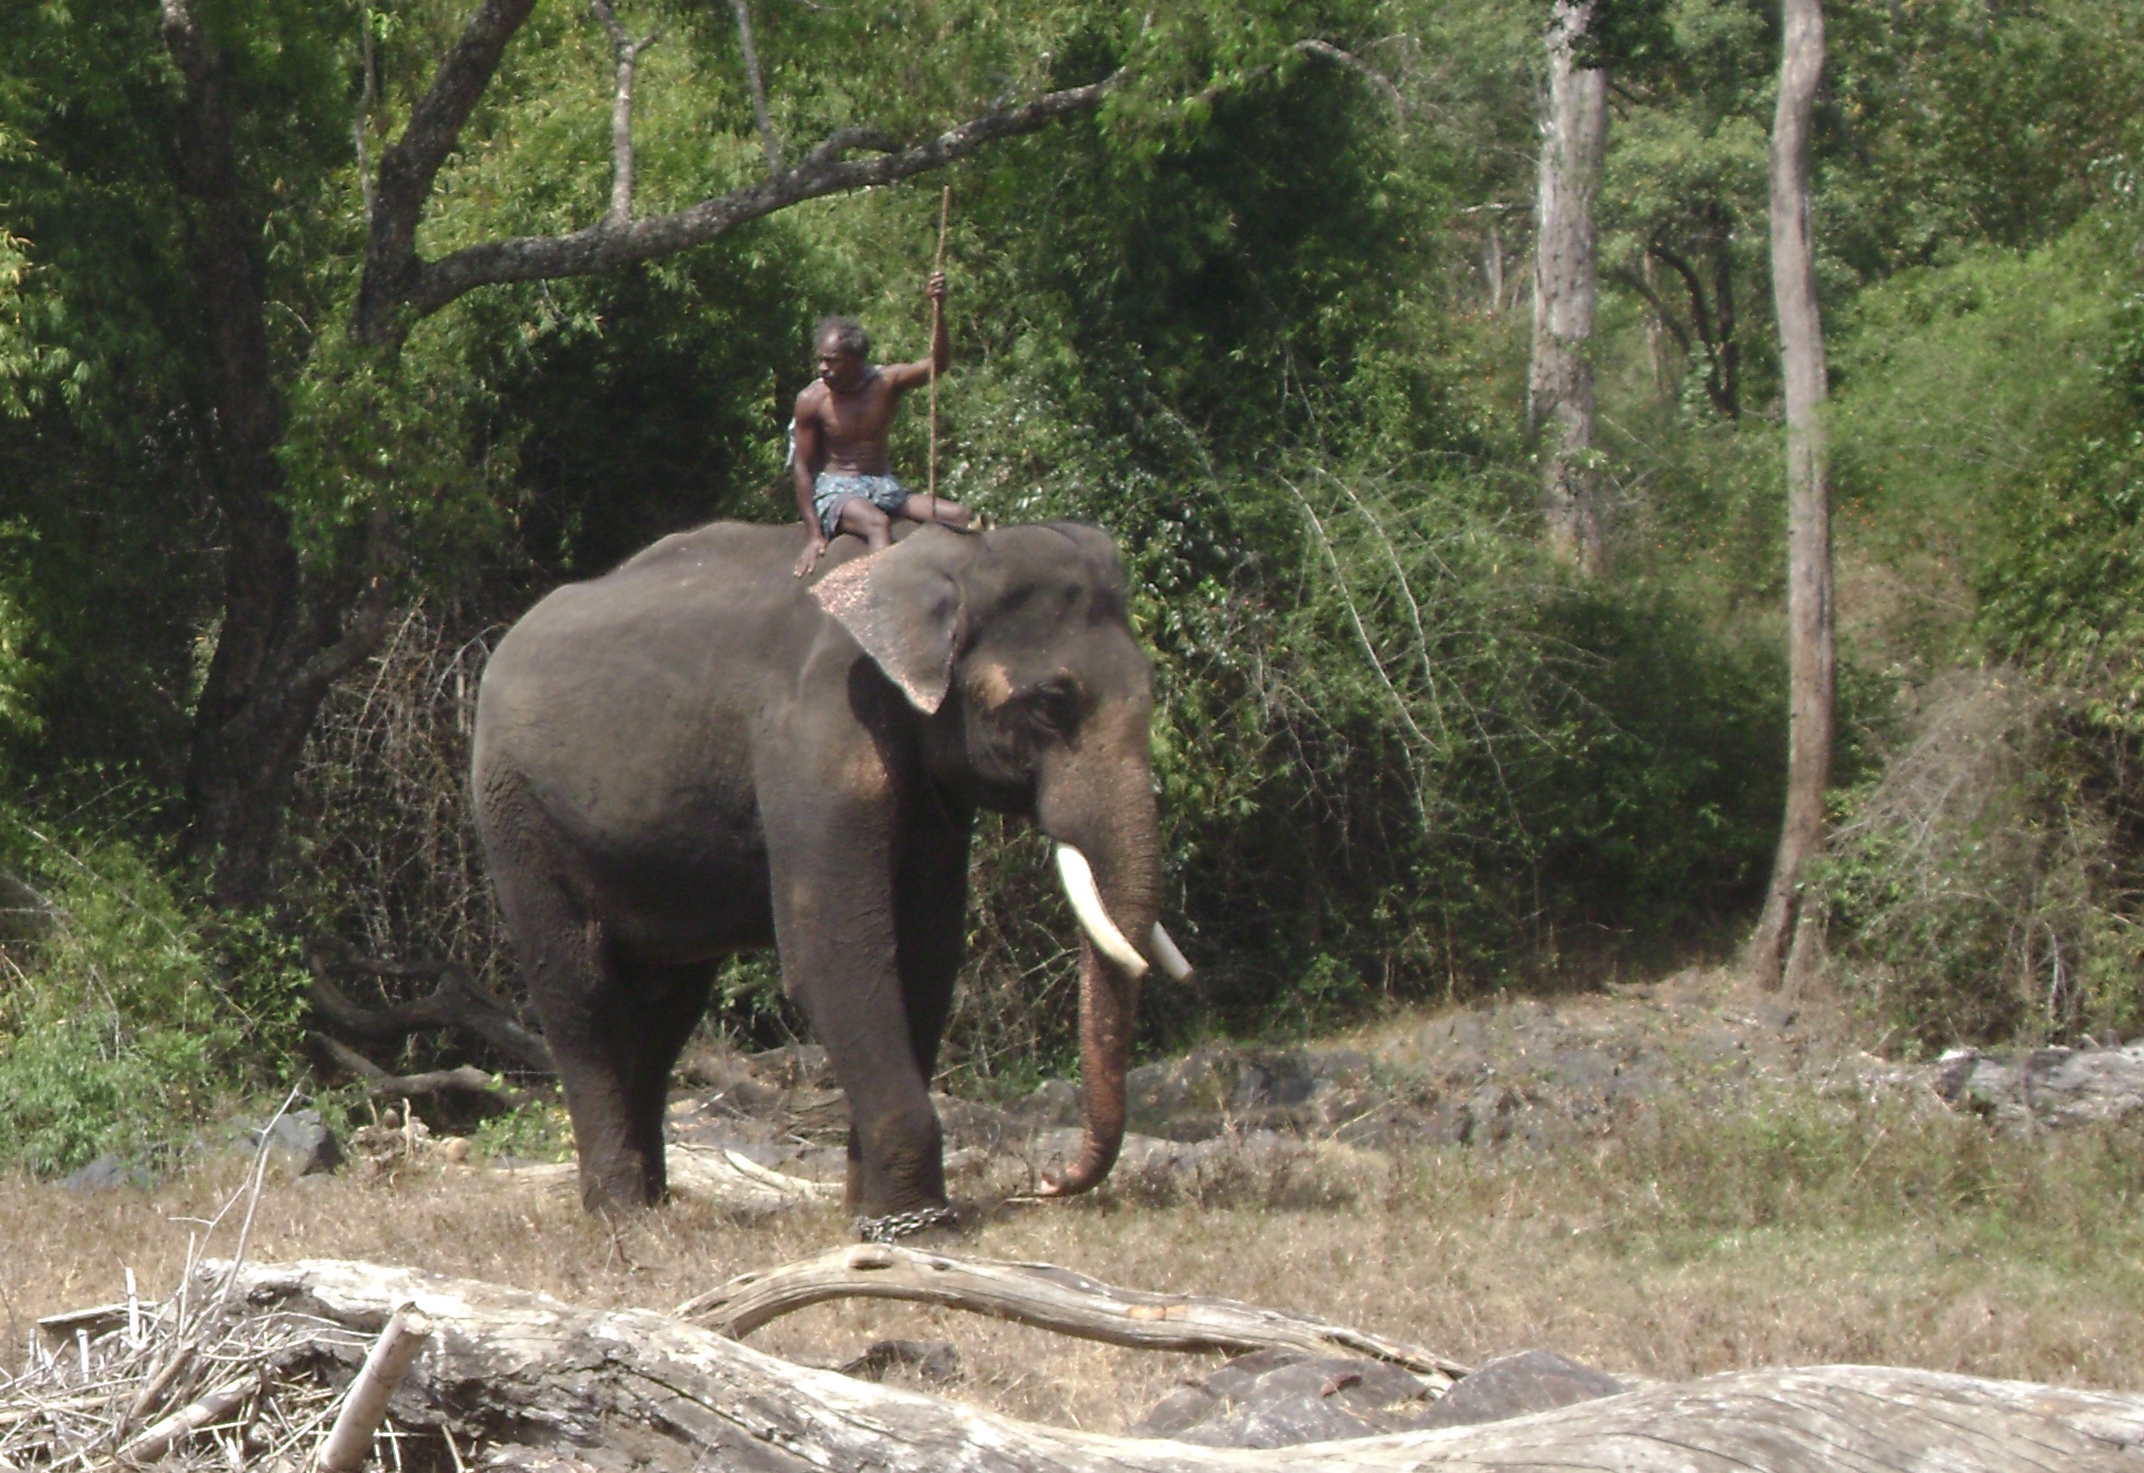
[1016,646]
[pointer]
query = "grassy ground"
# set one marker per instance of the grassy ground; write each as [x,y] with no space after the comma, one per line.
[1791,1228]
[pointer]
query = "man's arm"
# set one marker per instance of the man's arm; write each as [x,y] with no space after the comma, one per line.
[802,466]
[905,376]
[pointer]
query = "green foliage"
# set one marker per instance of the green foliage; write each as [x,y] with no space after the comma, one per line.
[128,1019]
[1262,324]
[539,1131]
[1986,884]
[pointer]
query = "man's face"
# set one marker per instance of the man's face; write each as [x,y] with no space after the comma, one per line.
[838,369]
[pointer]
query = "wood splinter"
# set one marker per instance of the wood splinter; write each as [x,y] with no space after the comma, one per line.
[392,1354]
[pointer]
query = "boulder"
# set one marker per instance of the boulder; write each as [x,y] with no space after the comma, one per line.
[1279,1398]
[2050,1088]
[1518,1385]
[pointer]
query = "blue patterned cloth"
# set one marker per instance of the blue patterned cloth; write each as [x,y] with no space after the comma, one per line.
[830,491]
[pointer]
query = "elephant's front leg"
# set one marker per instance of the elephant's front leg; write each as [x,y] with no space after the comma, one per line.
[830,859]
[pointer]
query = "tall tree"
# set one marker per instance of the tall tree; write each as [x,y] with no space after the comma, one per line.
[1810,651]
[293,623]
[1559,385]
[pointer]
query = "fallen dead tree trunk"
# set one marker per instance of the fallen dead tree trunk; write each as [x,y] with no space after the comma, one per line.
[530,1382]
[1049,1298]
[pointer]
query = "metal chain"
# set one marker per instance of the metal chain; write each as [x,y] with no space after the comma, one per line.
[895,1226]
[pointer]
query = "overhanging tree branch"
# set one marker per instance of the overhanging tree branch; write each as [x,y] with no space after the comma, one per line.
[408,168]
[1355,64]
[407,287]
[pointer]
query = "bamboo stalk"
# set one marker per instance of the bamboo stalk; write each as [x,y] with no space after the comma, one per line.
[351,1437]
[162,1436]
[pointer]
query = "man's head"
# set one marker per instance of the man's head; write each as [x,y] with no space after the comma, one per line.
[842,346]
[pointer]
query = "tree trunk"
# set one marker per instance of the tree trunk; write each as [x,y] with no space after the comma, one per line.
[521,1380]
[1559,391]
[278,648]
[1809,610]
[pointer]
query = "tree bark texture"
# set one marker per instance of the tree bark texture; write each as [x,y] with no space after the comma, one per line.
[1559,386]
[284,639]
[1810,651]
[521,1380]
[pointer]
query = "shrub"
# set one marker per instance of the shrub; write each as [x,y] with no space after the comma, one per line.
[1986,885]
[128,1018]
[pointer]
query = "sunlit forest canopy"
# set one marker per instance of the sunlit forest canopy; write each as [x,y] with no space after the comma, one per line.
[1254,294]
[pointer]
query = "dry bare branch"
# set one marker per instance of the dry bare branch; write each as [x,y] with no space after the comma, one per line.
[625,60]
[1049,1298]
[457,1002]
[188,1419]
[1361,68]
[465,1079]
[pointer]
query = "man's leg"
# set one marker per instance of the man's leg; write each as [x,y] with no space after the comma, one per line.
[866,521]
[922,508]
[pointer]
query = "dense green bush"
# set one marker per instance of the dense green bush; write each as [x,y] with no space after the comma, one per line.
[1986,884]
[127,1018]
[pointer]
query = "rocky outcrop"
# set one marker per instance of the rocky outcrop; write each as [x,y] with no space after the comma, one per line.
[2042,1089]
[1280,1398]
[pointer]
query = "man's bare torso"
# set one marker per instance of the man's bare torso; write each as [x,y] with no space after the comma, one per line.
[853,425]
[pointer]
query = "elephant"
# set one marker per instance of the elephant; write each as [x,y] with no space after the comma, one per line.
[699,753]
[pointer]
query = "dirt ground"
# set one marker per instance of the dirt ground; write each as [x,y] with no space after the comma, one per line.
[1777,1225]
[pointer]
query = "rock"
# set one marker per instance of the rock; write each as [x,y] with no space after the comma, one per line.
[1516,1386]
[1279,1398]
[1054,1102]
[2051,1088]
[300,1143]
[106,1173]
[1182,1099]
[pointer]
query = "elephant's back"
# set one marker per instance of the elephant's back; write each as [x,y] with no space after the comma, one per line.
[648,662]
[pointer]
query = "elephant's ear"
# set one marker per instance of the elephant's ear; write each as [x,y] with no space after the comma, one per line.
[903,606]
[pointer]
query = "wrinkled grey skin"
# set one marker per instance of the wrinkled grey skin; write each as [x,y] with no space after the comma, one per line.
[691,756]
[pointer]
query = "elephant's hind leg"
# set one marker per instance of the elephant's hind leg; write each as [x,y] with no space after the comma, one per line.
[668,1003]
[591,1026]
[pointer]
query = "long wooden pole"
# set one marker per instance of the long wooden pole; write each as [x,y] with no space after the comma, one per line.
[945,209]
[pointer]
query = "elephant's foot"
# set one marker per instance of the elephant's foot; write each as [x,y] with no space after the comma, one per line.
[896,1227]
[622,1193]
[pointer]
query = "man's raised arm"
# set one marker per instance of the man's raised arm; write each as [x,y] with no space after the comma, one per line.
[906,376]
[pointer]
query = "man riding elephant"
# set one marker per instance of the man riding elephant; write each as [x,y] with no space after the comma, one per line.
[699,753]
[844,478]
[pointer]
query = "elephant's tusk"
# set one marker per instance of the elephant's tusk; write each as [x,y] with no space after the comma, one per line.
[1086,898]
[1172,960]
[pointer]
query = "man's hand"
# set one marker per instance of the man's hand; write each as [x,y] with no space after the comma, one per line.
[935,287]
[814,549]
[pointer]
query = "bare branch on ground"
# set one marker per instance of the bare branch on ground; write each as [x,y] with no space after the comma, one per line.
[1050,1298]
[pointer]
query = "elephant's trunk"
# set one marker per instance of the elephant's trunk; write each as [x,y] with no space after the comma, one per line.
[1111,969]
[1107,1000]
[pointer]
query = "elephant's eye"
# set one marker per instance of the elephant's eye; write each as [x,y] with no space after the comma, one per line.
[1053,707]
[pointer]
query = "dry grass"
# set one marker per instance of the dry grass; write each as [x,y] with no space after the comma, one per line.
[1801,1232]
